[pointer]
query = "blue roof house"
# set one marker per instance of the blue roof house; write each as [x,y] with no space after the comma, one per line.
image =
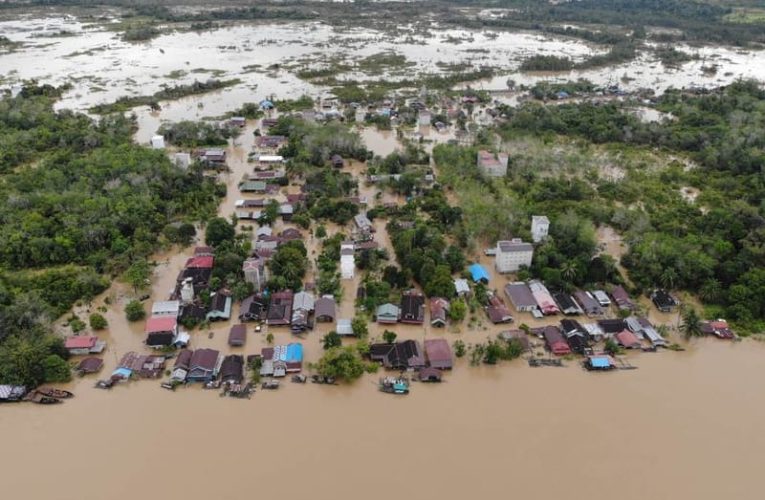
[479,273]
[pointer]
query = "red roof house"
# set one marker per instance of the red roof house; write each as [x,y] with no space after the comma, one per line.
[200,262]
[555,341]
[627,339]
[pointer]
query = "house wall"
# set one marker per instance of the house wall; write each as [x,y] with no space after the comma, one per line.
[509,262]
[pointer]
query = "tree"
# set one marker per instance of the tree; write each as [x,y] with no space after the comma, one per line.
[97,321]
[455,258]
[138,275]
[77,325]
[330,340]
[389,337]
[359,327]
[441,283]
[459,348]
[56,369]
[691,325]
[457,310]
[290,263]
[321,231]
[342,363]
[270,338]
[219,230]
[134,311]
[569,270]
[269,214]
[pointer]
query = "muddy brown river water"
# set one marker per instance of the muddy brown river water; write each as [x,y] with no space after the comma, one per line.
[683,426]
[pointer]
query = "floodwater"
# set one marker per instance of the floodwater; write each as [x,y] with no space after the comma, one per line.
[685,425]
[682,426]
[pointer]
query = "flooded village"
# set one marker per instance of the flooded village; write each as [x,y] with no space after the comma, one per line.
[216,378]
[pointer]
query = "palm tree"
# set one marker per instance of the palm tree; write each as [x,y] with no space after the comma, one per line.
[711,290]
[691,326]
[568,270]
[668,278]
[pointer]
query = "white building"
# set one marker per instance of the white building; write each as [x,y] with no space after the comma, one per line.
[540,226]
[158,142]
[424,118]
[187,291]
[255,272]
[493,165]
[512,254]
[347,260]
[166,308]
[182,160]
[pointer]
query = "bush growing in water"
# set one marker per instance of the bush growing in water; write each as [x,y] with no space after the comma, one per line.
[97,321]
[134,311]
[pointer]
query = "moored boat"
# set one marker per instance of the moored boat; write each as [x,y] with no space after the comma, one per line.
[299,378]
[41,399]
[55,393]
[394,385]
[601,362]
[270,384]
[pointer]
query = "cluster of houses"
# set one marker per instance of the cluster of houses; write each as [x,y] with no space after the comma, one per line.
[435,354]
[280,360]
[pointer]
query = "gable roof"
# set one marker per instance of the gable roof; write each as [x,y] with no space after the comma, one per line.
[157,324]
[80,342]
[325,306]
[478,273]
[205,359]
[200,261]
[438,352]
[520,295]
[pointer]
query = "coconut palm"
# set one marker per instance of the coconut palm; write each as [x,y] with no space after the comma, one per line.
[569,270]
[711,291]
[668,278]
[691,325]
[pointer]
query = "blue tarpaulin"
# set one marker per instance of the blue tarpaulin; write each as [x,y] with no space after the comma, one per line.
[294,353]
[600,362]
[478,273]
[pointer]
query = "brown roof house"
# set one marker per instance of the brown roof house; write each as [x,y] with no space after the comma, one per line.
[412,307]
[439,311]
[280,309]
[204,365]
[237,336]
[438,353]
[325,309]
[399,355]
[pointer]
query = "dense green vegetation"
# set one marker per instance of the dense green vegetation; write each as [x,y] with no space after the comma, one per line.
[79,201]
[194,134]
[546,63]
[712,245]
[168,93]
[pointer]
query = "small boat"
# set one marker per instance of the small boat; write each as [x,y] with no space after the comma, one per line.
[168,385]
[270,385]
[299,378]
[320,379]
[212,384]
[394,385]
[210,335]
[537,362]
[105,384]
[599,363]
[55,393]
[41,399]
[240,391]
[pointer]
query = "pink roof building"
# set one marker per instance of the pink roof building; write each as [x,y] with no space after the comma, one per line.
[80,342]
[200,262]
[157,324]
[627,339]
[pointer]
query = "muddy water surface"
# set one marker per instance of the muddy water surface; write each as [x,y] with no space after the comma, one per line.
[647,433]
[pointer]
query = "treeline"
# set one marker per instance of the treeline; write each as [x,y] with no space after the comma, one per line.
[175,92]
[78,202]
